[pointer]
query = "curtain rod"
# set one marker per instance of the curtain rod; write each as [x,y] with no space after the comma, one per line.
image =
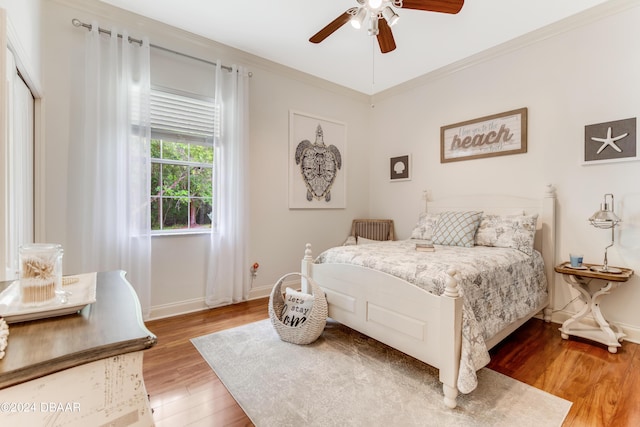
[77,23]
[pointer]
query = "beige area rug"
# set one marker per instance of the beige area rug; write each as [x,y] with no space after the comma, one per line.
[348,379]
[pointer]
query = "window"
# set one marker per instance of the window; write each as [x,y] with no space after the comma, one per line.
[182,153]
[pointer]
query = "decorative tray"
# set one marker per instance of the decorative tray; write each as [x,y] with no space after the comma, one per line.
[78,291]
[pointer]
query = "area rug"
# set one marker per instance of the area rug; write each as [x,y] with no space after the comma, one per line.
[348,379]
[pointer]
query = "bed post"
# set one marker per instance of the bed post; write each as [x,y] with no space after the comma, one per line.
[549,245]
[450,338]
[306,268]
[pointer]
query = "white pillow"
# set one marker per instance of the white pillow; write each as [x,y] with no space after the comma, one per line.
[297,307]
[363,241]
[350,241]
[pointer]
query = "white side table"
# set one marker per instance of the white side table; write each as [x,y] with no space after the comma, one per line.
[605,283]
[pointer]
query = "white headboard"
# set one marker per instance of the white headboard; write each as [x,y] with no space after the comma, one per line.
[500,204]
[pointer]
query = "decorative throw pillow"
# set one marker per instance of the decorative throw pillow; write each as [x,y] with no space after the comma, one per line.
[297,307]
[456,228]
[364,241]
[425,226]
[508,231]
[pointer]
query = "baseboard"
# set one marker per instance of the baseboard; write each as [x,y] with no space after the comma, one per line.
[265,290]
[260,292]
[633,333]
[177,308]
[198,304]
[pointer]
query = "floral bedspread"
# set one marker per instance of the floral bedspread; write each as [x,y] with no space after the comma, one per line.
[499,285]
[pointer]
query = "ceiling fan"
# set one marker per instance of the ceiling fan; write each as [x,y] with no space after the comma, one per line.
[382,17]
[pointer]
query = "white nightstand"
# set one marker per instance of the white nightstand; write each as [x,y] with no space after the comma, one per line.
[592,295]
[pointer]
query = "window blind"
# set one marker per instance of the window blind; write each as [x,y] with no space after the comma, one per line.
[183,117]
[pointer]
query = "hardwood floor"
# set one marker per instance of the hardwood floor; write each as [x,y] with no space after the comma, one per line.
[602,386]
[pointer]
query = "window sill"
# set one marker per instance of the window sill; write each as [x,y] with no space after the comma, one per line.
[206,232]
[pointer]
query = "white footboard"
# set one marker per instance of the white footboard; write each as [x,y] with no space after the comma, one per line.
[394,312]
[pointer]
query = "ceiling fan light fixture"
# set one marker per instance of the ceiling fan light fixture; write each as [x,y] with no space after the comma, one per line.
[390,16]
[373,25]
[357,19]
[372,11]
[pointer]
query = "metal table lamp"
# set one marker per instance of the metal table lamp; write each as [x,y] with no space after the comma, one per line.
[606,218]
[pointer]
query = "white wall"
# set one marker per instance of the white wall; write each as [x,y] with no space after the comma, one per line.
[278,235]
[24,30]
[580,72]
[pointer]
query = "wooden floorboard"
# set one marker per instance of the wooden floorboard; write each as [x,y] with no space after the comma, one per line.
[184,390]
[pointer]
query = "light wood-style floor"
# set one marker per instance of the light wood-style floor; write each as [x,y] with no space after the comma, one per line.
[603,387]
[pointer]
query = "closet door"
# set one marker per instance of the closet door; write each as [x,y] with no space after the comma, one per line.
[18,169]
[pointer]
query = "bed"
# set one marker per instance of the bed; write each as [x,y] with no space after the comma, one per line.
[435,323]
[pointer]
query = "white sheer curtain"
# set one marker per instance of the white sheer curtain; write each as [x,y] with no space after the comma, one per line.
[109,175]
[228,275]
[16,172]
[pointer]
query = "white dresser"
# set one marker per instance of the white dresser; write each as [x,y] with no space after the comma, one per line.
[81,369]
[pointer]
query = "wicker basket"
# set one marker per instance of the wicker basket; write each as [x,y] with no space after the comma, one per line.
[310,330]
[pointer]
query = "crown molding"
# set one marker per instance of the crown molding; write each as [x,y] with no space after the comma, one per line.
[198,46]
[594,14]
[201,47]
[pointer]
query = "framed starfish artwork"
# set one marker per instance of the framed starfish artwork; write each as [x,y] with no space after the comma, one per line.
[611,142]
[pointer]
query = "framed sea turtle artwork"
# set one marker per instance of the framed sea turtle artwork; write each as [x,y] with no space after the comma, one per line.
[317,167]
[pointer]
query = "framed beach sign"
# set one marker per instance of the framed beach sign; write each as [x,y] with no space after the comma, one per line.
[495,135]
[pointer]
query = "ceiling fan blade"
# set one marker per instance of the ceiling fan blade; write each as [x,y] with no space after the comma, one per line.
[330,28]
[443,6]
[385,37]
